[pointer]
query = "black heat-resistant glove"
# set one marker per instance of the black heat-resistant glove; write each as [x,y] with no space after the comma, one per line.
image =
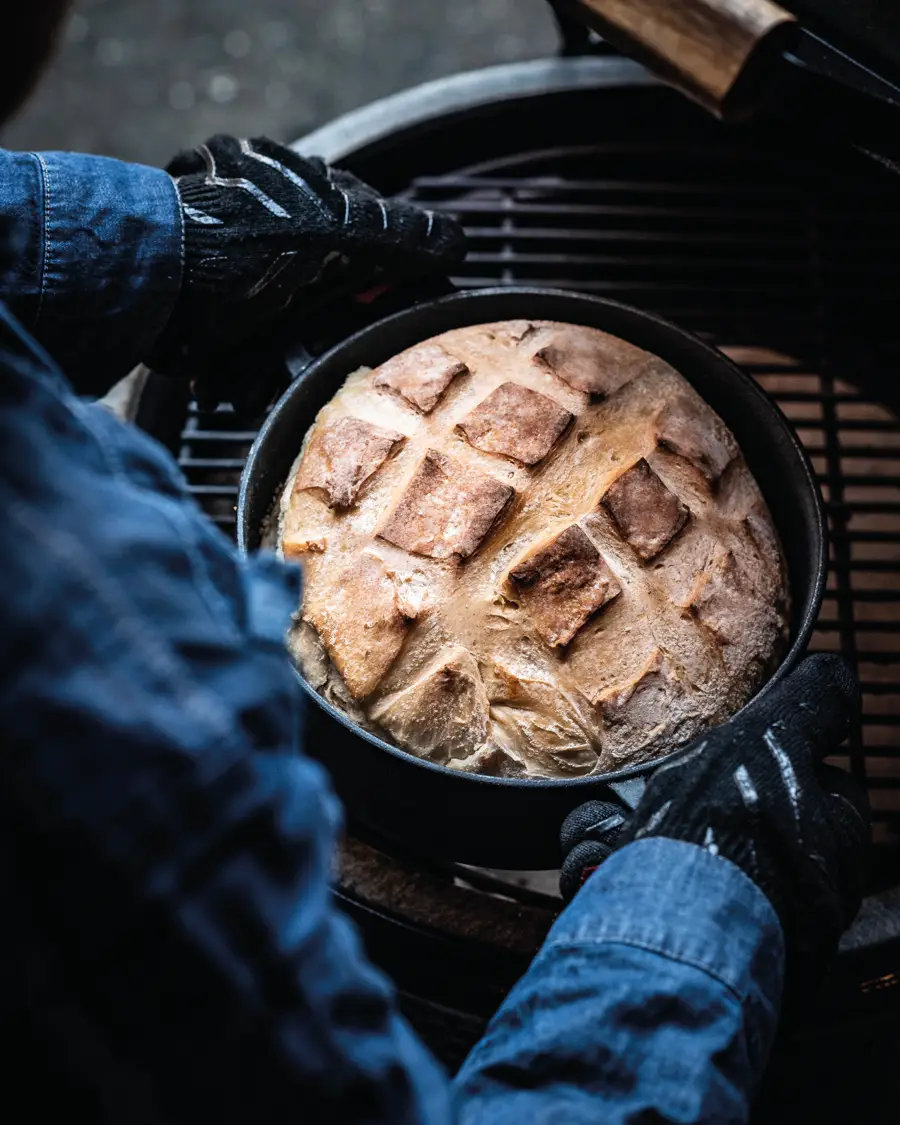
[589,835]
[262,224]
[756,792]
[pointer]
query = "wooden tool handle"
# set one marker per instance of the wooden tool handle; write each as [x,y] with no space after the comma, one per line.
[717,51]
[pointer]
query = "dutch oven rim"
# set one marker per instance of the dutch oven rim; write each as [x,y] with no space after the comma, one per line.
[818,553]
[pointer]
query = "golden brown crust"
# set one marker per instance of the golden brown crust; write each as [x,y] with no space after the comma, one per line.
[361,645]
[648,514]
[443,713]
[591,361]
[420,375]
[462,606]
[343,456]
[446,509]
[563,583]
[294,549]
[684,427]
[723,598]
[516,422]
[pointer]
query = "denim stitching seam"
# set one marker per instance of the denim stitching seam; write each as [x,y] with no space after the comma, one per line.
[44,172]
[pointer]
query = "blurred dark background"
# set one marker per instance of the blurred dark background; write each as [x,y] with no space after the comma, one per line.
[139,79]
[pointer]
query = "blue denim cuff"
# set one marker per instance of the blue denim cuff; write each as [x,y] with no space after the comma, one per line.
[98,258]
[678,900]
[655,997]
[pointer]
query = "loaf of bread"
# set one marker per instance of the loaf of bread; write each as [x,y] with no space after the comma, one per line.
[531,549]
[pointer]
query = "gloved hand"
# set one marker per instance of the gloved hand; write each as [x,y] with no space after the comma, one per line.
[262,224]
[755,791]
[589,835]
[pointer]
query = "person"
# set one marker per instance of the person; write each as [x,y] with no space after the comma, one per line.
[170,948]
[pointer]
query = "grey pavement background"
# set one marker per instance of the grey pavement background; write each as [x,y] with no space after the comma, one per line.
[139,79]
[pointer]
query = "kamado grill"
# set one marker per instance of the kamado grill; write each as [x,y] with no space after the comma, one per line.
[781,247]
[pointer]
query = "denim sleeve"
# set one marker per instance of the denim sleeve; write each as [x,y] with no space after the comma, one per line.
[654,998]
[96,258]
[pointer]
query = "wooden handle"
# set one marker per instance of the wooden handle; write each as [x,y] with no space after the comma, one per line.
[717,51]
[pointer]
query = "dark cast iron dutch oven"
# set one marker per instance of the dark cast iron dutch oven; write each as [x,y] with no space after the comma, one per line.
[498,822]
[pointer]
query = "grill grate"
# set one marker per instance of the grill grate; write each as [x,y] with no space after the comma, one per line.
[790,266]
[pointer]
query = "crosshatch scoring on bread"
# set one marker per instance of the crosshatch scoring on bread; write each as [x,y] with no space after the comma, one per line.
[359,620]
[420,376]
[517,423]
[684,427]
[564,583]
[648,514]
[446,509]
[531,549]
[342,456]
[592,362]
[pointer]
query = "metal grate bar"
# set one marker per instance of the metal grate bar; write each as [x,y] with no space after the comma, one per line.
[219,464]
[189,437]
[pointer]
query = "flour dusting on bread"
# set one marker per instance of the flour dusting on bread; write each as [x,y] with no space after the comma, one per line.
[531,549]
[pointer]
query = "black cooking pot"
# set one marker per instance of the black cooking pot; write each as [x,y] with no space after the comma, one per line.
[500,822]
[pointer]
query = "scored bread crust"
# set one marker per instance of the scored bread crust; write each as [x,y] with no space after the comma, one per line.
[535,552]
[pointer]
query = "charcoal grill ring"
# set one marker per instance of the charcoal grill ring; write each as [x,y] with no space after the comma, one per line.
[506,822]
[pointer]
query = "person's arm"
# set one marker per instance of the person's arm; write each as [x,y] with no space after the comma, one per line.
[654,998]
[93,258]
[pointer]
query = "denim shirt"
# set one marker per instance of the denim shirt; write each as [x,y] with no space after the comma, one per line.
[169,938]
